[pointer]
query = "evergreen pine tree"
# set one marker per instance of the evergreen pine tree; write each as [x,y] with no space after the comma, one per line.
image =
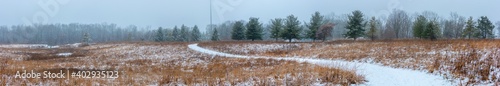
[419,26]
[485,28]
[432,30]
[254,29]
[195,34]
[238,31]
[276,28]
[184,33]
[159,35]
[355,25]
[176,34]
[373,29]
[314,25]
[470,29]
[167,35]
[292,29]
[215,35]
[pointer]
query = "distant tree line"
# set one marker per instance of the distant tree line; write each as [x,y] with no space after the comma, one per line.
[397,25]
[54,34]
[184,34]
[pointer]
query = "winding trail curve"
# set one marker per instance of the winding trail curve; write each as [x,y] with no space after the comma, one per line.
[375,74]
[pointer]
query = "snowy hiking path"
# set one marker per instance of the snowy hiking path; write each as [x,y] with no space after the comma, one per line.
[376,75]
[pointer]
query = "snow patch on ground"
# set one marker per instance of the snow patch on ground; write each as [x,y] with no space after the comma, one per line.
[30,46]
[375,74]
[260,48]
[24,46]
[64,54]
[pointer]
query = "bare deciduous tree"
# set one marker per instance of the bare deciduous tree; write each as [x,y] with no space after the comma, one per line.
[400,23]
[453,27]
[325,31]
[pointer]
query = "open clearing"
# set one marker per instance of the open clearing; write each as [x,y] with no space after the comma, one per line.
[378,63]
[463,62]
[146,63]
[375,74]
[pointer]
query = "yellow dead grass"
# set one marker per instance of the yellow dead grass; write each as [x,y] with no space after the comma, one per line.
[472,59]
[175,64]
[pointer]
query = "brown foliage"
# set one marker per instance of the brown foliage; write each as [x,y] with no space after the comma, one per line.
[175,64]
[473,59]
[325,31]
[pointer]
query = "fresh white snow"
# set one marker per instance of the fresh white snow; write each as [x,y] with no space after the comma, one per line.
[64,54]
[31,46]
[376,75]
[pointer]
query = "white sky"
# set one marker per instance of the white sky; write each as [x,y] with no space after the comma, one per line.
[168,13]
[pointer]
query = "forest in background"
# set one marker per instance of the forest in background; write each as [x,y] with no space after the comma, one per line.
[398,25]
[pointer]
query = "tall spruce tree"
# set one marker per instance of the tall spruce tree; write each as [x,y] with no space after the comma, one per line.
[184,33]
[432,30]
[215,35]
[276,28]
[470,29]
[372,32]
[195,34]
[485,28]
[159,35]
[176,34]
[167,36]
[292,29]
[355,25]
[314,25]
[419,26]
[254,29]
[238,32]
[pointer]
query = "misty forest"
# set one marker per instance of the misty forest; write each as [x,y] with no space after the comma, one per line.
[398,25]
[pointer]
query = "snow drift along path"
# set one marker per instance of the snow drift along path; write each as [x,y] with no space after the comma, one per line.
[375,74]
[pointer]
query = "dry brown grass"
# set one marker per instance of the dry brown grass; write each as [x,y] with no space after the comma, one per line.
[476,60]
[146,63]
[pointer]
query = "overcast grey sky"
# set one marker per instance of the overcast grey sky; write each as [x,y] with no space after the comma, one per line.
[168,13]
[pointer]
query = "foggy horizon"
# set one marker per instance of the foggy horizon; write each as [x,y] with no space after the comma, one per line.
[172,13]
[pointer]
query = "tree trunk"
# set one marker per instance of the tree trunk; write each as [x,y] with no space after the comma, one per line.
[289,40]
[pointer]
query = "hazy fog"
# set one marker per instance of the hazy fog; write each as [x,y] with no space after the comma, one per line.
[168,13]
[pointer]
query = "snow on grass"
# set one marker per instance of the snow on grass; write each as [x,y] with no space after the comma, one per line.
[440,57]
[31,46]
[165,64]
[375,74]
[24,46]
[171,53]
[256,49]
[64,54]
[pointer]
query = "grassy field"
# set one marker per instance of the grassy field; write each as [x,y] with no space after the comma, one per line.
[470,61]
[146,63]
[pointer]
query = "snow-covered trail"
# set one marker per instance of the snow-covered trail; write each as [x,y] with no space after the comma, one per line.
[375,74]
